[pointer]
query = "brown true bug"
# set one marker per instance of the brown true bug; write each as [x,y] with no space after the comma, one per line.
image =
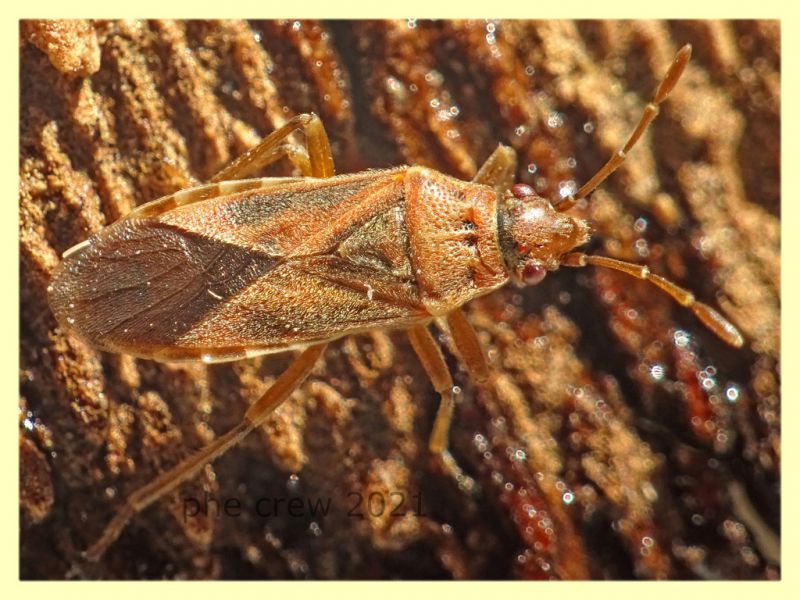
[242,267]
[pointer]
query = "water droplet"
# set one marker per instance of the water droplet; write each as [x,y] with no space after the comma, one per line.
[555,120]
[681,338]
[732,393]
[567,188]
[657,372]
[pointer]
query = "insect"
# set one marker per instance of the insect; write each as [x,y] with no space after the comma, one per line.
[241,267]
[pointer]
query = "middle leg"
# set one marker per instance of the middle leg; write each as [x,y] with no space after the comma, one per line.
[430,355]
[314,160]
[468,346]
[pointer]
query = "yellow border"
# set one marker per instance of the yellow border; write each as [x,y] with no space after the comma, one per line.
[13,11]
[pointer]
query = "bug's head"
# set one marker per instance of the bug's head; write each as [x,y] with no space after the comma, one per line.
[534,236]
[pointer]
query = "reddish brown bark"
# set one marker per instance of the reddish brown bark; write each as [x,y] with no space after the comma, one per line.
[622,440]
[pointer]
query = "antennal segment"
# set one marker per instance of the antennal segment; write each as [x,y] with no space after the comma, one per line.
[650,112]
[718,324]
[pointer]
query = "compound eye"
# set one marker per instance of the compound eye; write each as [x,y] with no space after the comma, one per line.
[533,274]
[522,190]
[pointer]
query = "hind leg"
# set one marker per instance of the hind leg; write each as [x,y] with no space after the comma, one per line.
[258,412]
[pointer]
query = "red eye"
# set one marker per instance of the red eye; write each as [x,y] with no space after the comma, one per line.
[533,274]
[522,190]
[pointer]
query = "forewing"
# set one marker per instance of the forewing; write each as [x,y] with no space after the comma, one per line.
[299,218]
[308,299]
[229,277]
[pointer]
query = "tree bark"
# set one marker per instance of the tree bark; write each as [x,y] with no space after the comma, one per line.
[621,440]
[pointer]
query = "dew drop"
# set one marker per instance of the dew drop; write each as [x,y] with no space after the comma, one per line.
[732,393]
[567,188]
[555,120]
[657,372]
[681,338]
